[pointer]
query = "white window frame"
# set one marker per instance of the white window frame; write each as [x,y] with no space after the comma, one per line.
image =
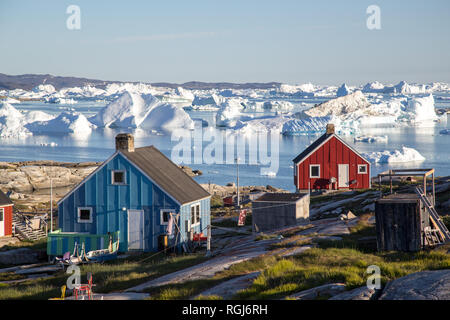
[161,212]
[2,214]
[195,222]
[362,165]
[310,170]
[83,220]
[124,177]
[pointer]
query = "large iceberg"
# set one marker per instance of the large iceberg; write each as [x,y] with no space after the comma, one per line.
[132,110]
[421,109]
[12,122]
[403,155]
[66,122]
[229,112]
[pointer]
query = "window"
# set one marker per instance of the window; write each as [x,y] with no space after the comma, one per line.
[195,214]
[2,211]
[362,168]
[295,169]
[314,170]
[165,215]
[118,177]
[84,215]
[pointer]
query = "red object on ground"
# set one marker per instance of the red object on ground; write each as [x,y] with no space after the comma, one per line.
[199,237]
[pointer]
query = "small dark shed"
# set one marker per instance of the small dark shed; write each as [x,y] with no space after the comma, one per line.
[277,210]
[401,221]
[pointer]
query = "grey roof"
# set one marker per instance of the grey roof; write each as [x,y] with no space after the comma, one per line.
[281,197]
[4,200]
[312,147]
[166,174]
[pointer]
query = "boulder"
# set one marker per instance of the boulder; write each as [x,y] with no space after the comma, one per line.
[425,285]
[327,290]
[362,293]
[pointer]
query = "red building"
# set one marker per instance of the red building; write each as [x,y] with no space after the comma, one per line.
[330,163]
[6,213]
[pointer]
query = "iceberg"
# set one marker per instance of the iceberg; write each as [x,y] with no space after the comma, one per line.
[421,109]
[396,156]
[229,112]
[66,122]
[371,139]
[212,100]
[354,102]
[132,110]
[343,90]
[12,122]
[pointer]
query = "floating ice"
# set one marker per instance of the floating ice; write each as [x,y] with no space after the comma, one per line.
[403,155]
[343,90]
[12,122]
[371,139]
[66,122]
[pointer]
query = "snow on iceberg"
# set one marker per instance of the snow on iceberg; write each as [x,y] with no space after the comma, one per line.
[354,102]
[12,122]
[421,109]
[404,155]
[133,110]
[229,112]
[184,93]
[66,122]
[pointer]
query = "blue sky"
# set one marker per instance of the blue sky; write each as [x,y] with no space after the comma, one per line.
[324,42]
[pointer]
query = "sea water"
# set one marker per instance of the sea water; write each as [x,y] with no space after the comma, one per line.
[100,144]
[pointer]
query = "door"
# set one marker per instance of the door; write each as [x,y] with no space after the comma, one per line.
[2,222]
[135,230]
[343,176]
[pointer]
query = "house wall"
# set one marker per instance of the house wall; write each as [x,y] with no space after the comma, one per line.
[8,219]
[274,215]
[107,201]
[329,155]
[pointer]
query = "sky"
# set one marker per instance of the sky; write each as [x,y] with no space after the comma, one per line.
[323,42]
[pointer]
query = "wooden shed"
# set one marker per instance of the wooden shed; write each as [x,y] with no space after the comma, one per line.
[331,163]
[6,212]
[273,211]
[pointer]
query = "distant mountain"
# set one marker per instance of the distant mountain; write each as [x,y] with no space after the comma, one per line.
[29,81]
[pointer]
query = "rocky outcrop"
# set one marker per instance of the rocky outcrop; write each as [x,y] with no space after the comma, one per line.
[326,290]
[29,176]
[362,293]
[425,285]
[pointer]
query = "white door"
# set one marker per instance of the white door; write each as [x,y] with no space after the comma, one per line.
[343,176]
[135,230]
[2,222]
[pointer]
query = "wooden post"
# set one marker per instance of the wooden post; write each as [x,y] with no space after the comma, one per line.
[208,241]
[434,194]
[379,186]
[424,185]
[390,178]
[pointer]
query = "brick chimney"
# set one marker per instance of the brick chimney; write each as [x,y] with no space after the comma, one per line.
[330,128]
[125,142]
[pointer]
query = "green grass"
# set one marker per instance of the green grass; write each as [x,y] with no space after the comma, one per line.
[33,245]
[108,277]
[319,266]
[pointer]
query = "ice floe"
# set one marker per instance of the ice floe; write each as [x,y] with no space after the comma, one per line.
[371,139]
[396,156]
[67,122]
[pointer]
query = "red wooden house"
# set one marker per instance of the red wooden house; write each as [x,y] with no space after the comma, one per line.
[330,163]
[6,213]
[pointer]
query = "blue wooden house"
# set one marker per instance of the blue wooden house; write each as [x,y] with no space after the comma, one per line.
[131,195]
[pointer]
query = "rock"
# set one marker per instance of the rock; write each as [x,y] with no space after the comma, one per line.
[347,216]
[229,288]
[19,256]
[330,289]
[231,184]
[362,293]
[425,285]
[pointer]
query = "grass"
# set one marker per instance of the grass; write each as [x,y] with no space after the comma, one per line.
[319,266]
[33,245]
[108,277]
